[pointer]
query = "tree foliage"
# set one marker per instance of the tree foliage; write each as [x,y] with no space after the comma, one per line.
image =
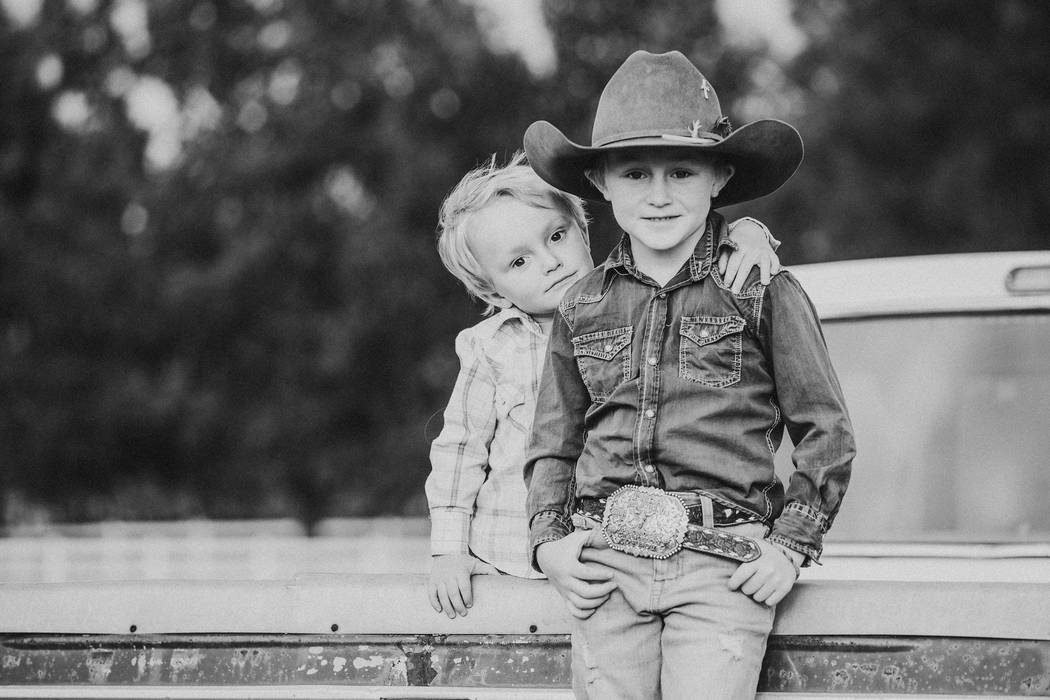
[254,323]
[262,341]
[926,129]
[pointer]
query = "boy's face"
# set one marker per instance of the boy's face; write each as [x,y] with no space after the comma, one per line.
[530,255]
[662,196]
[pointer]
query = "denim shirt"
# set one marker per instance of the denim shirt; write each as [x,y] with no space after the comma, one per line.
[689,387]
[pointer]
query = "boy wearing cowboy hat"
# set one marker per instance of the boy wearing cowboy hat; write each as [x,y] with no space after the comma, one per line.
[517,244]
[664,396]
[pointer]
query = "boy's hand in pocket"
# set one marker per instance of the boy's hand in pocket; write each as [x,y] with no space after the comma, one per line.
[584,586]
[770,577]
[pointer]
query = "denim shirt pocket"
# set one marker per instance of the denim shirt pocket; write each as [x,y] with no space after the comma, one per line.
[711,349]
[604,359]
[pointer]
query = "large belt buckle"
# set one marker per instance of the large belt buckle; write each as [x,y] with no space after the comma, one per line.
[644,521]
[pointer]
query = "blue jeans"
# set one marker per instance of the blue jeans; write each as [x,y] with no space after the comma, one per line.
[672,629]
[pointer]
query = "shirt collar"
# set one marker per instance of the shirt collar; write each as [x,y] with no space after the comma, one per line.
[513,314]
[699,264]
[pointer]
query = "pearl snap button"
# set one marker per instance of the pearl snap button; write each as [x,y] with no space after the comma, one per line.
[608,348]
[651,360]
[704,333]
[650,413]
[650,468]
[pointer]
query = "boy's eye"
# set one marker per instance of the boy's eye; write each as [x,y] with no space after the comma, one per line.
[634,175]
[680,174]
[558,235]
[517,262]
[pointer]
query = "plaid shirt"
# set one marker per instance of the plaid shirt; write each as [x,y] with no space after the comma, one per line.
[476,490]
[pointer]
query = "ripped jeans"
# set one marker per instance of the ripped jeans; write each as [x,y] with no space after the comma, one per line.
[672,629]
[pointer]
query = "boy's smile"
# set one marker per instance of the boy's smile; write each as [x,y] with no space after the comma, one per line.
[661,197]
[530,255]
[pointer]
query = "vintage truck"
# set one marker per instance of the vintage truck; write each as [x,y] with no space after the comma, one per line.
[935,581]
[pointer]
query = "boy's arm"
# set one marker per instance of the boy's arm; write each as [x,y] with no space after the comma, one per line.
[459,458]
[556,441]
[814,413]
[555,445]
[750,245]
[459,455]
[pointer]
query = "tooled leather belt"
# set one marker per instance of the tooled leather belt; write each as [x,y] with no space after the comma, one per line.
[649,522]
[722,515]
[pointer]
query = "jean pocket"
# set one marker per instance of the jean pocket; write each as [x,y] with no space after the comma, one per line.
[604,360]
[595,535]
[711,348]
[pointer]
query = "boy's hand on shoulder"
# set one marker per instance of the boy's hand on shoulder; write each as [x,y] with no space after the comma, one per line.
[770,577]
[584,586]
[753,250]
[448,587]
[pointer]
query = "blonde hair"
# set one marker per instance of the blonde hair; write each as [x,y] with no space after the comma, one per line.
[475,191]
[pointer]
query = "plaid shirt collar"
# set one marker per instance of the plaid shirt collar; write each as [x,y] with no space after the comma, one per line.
[621,261]
[513,314]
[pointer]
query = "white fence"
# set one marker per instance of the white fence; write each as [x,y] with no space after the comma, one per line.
[212,550]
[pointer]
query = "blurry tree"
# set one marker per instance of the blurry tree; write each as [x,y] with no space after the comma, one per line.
[927,129]
[219,294]
[233,316]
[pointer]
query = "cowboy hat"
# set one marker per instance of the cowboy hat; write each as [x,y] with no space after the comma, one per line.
[663,100]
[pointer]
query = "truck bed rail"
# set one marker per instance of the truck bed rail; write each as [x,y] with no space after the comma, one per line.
[375,636]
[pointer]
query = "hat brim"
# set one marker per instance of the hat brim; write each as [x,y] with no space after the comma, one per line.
[764,153]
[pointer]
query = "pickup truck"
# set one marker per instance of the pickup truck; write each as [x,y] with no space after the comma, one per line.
[935,580]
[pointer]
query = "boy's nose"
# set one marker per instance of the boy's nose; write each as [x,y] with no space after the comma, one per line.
[658,191]
[551,261]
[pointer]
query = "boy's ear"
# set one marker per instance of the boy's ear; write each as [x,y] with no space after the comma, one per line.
[724,174]
[597,178]
[496,299]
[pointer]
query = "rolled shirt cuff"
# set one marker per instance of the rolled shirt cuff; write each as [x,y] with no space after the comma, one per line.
[449,531]
[546,526]
[801,528]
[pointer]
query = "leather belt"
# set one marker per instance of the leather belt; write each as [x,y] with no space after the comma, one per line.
[649,522]
[722,515]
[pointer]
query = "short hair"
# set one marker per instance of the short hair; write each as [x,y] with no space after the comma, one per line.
[475,191]
[595,172]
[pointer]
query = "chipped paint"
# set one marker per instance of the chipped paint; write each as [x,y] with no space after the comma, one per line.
[360,662]
[831,665]
[905,666]
[98,665]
